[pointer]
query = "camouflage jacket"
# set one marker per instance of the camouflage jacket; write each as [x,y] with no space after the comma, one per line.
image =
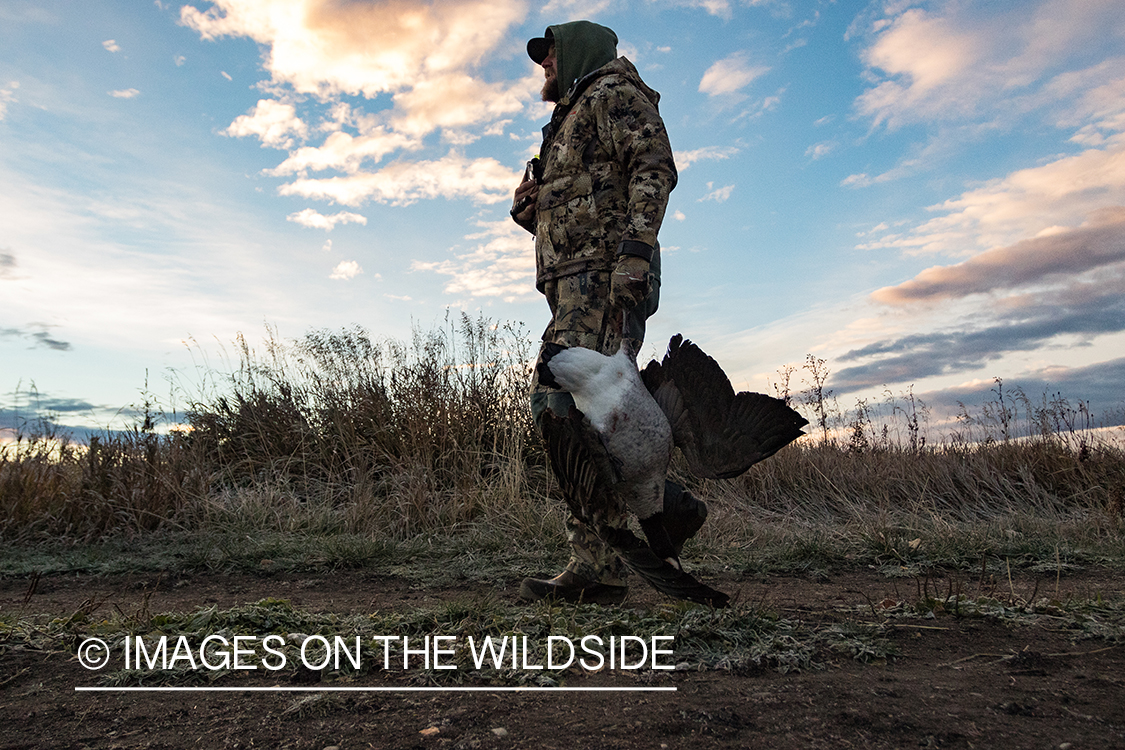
[607,171]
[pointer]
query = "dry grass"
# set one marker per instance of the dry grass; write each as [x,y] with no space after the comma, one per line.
[332,433]
[393,439]
[126,482]
[341,434]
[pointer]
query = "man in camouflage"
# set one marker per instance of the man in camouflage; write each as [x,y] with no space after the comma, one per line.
[595,199]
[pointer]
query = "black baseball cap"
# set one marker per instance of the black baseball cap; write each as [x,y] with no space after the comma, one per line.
[539,47]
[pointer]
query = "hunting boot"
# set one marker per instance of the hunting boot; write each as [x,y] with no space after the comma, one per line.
[684,514]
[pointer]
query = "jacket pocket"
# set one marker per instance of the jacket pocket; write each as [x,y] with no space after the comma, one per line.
[569,219]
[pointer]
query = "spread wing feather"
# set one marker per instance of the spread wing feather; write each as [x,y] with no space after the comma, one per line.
[721,433]
[587,476]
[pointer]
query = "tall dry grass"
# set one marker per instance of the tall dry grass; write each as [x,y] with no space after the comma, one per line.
[389,438]
[334,432]
[342,433]
[122,482]
[1014,473]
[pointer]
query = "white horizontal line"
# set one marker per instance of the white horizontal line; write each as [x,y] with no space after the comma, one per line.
[279,689]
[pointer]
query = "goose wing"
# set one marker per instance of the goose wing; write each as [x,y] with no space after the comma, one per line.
[658,572]
[586,471]
[588,476]
[721,433]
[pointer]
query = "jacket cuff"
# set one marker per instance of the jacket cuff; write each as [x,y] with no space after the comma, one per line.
[635,247]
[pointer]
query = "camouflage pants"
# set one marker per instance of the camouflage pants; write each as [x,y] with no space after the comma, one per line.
[582,316]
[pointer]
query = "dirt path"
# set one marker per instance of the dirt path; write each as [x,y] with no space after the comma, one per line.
[955,682]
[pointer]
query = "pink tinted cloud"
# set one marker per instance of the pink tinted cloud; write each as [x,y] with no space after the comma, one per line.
[1068,252]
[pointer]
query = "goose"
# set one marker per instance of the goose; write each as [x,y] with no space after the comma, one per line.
[611,451]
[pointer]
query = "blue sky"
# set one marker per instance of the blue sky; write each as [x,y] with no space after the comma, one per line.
[924,194]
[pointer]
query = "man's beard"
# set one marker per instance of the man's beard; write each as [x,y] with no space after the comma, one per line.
[550,92]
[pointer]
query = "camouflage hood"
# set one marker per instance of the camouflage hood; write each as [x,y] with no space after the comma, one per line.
[621,67]
[581,47]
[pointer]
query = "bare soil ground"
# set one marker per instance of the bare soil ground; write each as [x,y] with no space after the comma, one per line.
[955,682]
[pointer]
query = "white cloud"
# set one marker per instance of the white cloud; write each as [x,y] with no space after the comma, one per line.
[346,153]
[315,220]
[966,60]
[503,265]
[456,100]
[424,55]
[719,8]
[273,122]
[902,169]
[770,102]
[346,270]
[7,96]
[111,46]
[225,75]
[923,55]
[573,8]
[330,48]
[729,76]
[719,195]
[685,159]
[818,150]
[1063,193]
[403,182]
[1095,101]
[124,93]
